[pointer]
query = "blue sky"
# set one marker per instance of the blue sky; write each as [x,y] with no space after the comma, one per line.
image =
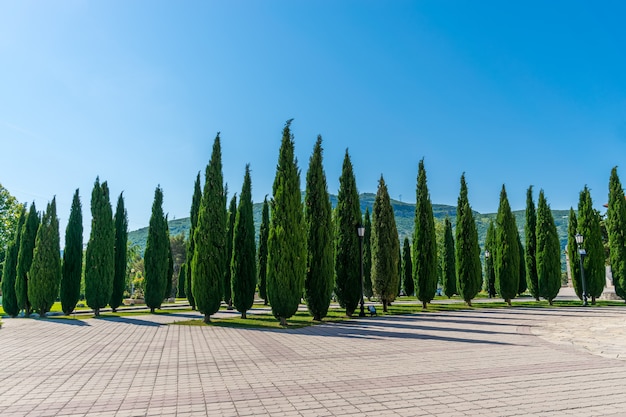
[514,93]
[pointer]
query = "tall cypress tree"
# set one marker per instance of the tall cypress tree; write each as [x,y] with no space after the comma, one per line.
[424,242]
[286,263]
[169,276]
[530,250]
[348,251]
[9,273]
[243,263]
[407,268]
[264,233]
[156,255]
[572,253]
[208,265]
[25,259]
[367,256]
[448,267]
[507,252]
[589,227]
[522,286]
[490,273]
[616,228]
[385,247]
[548,252]
[121,246]
[319,280]
[45,270]
[468,268]
[72,268]
[230,232]
[195,210]
[182,279]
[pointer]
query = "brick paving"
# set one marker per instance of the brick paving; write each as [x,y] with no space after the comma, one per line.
[484,362]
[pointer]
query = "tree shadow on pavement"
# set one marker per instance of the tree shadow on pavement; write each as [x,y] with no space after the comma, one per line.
[131,320]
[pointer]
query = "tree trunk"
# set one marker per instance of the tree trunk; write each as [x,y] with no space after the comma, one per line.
[114,310]
[537,299]
[593,300]
[230,306]
[283,321]
[550,302]
[424,305]
[96,312]
[317,318]
[469,303]
[384,306]
[243,315]
[207,319]
[265,302]
[508,302]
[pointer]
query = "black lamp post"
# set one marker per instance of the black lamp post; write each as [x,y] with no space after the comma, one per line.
[361,232]
[488,267]
[582,253]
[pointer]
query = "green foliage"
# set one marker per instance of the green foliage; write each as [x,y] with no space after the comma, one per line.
[616,229]
[407,268]
[468,268]
[347,249]
[548,252]
[9,273]
[195,211]
[25,259]
[121,249]
[9,214]
[367,256]
[156,256]
[319,280]
[522,286]
[530,252]
[589,227]
[169,276]
[178,249]
[182,279]
[286,263]
[385,247]
[72,268]
[209,262]
[448,265]
[507,252]
[572,252]
[243,263]
[490,273]
[262,256]
[230,232]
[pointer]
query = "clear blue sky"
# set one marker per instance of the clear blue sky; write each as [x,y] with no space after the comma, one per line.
[513,92]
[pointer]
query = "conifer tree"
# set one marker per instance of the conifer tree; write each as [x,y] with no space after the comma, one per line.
[490,273]
[72,268]
[195,209]
[9,273]
[347,249]
[121,249]
[530,251]
[25,259]
[169,277]
[182,279]
[367,256]
[616,229]
[468,268]
[230,232]
[264,233]
[286,262]
[100,256]
[572,253]
[548,252]
[45,271]
[522,287]
[448,266]
[507,252]
[243,263]
[156,255]
[385,247]
[407,268]
[589,227]
[209,262]
[424,242]
[320,273]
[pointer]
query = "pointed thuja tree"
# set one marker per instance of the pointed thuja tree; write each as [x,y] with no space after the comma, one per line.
[195,209]
[407,268]
[45,271]
[548,252]
[72,268]
[616,229]
[506,260]
[182,279]
[156,255]
[367,256]
[264,233]
[593,262]
[347,249]
[25,259]
[468,267]
[169,277]
[230,232]
[385,247]
[286,262]
[530,250]
[424,242]
[121,252]
[320,273]
[448,266]
[9,273]
[490,273]
[243,263]
[522,287]
[572,253]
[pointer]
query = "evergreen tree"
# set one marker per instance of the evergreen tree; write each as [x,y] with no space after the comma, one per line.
[156,255]
[195,210]
[522,286]
[25,259]
[468,268]
[407,268]
[572,253]
[385,247]
[264,233]
[286,262]
[72,268]
[507,252]
[367,256]
[548,252]
[616,229]
[320,273]
[9,273]
[208,265]
[531,245]
[424,242]
[182,279]
[243,263]
[230,232]
[448,262]
[347,249]
[169,277]
[45,271]
[589,227]
[490,273]
[121,252]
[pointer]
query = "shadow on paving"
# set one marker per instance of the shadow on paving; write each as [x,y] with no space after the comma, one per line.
[443,318]
[71,322]
[394,324]
[130,320]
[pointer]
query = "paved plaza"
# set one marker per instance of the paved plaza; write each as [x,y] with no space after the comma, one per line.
[483,362]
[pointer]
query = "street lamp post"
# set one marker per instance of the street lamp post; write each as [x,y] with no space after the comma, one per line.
[361,231]
[582,253]
[487,254]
